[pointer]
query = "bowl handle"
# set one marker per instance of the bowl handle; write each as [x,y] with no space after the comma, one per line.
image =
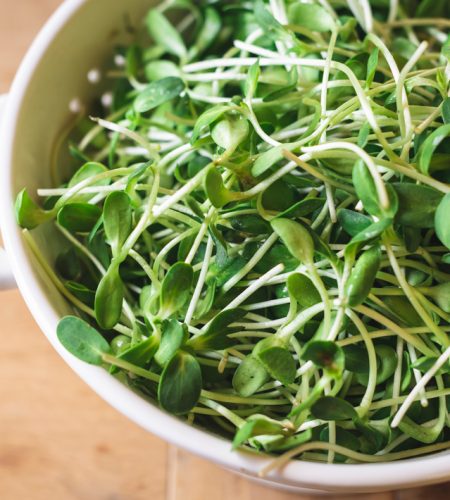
[6,276]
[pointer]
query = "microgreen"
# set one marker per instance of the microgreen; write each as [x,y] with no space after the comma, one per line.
[261,245]
[158,93]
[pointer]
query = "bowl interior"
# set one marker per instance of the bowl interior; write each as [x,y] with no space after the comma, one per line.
[77,39]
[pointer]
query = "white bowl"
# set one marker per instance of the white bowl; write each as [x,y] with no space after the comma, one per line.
[76,39]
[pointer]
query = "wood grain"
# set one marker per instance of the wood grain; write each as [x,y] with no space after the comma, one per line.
[58,440]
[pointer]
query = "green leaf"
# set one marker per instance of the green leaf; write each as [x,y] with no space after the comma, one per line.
[216,191]
[279,363]
[296,238]
[206,119]
[425,363]
[87,171]
[356,359]
[119,344]
[250,224]
[158,93]
[365,189]
[79,217]
[363,276]
[387,363]
[353,222]
[286,89]
[445,50]
[441,295]
[270,26]
[142,353]
[311,16]
[441,220]
[164,34]
[329,408]
[81,340]
[446,110]
[417,204]
[372,64]
[256,425]
[81,291]
[267,159]
[374,440]
[302,208]
[249,377]
[367,235]
[28,214]
[251,82]
[230,132]
[173,337]
[180,384]
[158,70]
[117,219]
[210,30]
[109,298]
[419,432]
[175,289]
[430,145]
[325,354]
[303,290]
[216,335]
[363,135]
[132,61]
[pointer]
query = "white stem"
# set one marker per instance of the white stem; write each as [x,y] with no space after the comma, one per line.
[443,358]
[200,281]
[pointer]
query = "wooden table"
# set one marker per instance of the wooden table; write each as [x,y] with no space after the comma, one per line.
[60,441]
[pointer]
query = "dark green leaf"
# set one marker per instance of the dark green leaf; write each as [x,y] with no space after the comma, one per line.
[363,276]
[446,110]
[365,189]
[416,204]
[325,354]
[175,289]
[79,217]
[216,335]
[302,208]
[303,290]
[180,384]
[425,363]
[279,362]
[109,298]
[173,337]
[117,219]
[141,354]
[387,364]
[330,408]
[367,235]
[353,222]
[429,146]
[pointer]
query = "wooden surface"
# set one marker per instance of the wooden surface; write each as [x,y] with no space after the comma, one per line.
[58,440]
